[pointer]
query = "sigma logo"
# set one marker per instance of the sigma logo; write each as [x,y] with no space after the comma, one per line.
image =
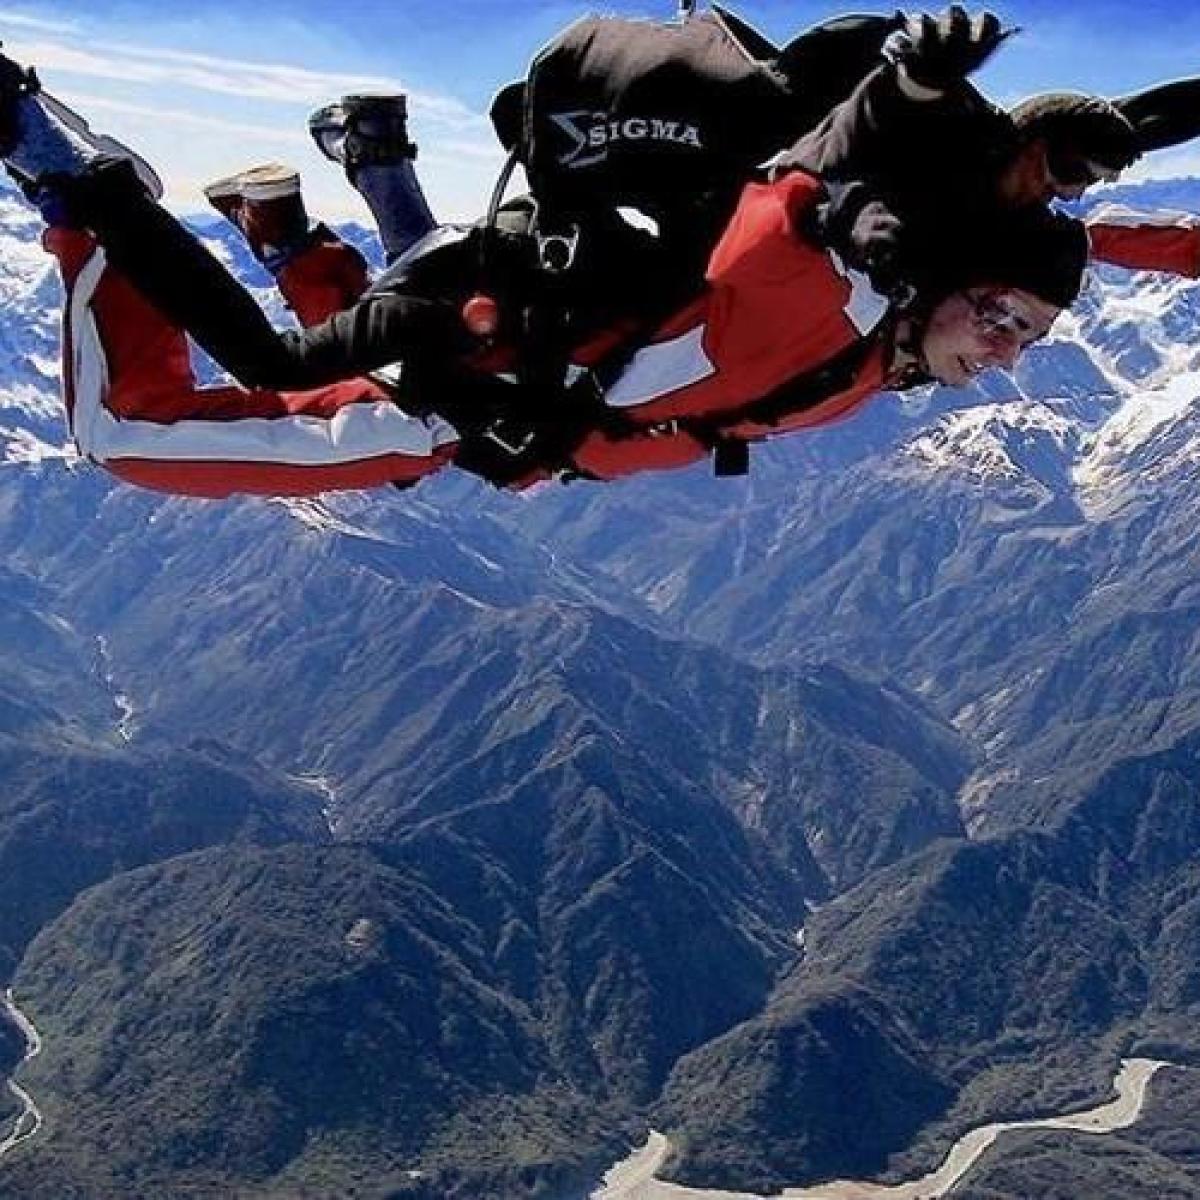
[592,134]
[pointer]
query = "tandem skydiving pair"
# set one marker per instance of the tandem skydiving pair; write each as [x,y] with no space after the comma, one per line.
[814,225]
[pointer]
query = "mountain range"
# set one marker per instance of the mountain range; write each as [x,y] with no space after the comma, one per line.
[436,844]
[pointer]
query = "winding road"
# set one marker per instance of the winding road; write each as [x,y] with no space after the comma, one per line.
[30,1119]
[634,1179]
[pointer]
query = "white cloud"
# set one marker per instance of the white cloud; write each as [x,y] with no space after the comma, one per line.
[294,84]
[282,83]
[181,117]
[200,115]
[40,23]
[1168,164]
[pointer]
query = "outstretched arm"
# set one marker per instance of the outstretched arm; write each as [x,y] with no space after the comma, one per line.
[914,144]
[1163,116]
[1142,241]
[914,114]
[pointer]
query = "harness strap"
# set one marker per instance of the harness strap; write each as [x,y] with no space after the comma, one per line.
[805,391]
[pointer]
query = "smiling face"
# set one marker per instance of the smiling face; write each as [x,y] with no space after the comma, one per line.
[982,327]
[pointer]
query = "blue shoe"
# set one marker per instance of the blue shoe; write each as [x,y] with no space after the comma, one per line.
[363,130]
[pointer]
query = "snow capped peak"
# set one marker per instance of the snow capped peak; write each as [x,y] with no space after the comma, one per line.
[326,516]
[998,442]
[1109,407]
[1066,368]
[23,448]
[1153,437]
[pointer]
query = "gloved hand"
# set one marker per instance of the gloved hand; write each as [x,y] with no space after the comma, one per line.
[938,51]
[876,245]
[869,236]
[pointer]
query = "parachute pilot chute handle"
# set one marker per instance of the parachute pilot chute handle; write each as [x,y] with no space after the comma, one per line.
[481,316]
[481,312]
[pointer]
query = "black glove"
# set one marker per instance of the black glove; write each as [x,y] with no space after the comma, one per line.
[876,244]
[939,51]
[868,235]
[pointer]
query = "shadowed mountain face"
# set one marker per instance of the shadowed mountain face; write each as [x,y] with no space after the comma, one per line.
[263,1006]
[69,820]
[595,755]
[556,953]
[990,979]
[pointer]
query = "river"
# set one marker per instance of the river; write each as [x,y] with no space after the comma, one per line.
[635,1178]
[30,1119]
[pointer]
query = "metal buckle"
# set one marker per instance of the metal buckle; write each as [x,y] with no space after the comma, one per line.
[495,433]
[556,251]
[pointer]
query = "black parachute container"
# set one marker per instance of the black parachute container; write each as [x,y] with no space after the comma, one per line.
[664,116]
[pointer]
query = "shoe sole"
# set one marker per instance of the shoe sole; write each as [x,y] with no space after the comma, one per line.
[395,102]
[330,125]
[273,181]
[102,143]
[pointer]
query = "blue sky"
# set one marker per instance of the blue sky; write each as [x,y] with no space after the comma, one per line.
[224,85]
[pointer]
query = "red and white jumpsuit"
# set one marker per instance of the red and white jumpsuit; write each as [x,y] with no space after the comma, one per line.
[779,307]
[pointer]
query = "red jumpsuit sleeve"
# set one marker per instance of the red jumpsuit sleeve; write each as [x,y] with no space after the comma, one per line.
[1145,241]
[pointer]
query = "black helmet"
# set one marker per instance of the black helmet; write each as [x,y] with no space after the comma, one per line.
[1034,249]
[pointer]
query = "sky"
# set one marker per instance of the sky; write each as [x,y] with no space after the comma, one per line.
[226,84]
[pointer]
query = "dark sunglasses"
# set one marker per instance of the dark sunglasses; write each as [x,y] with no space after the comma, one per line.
[1071,169]
[996,315]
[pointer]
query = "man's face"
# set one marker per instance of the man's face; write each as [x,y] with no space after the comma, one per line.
[1026,178]
[982,327]
[1038,174]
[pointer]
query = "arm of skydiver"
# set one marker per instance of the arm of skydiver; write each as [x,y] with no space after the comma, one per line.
[915,109]
[1165,115]
[904,142]
[1140,241]
[824,63]
[914,141]
[893,159]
